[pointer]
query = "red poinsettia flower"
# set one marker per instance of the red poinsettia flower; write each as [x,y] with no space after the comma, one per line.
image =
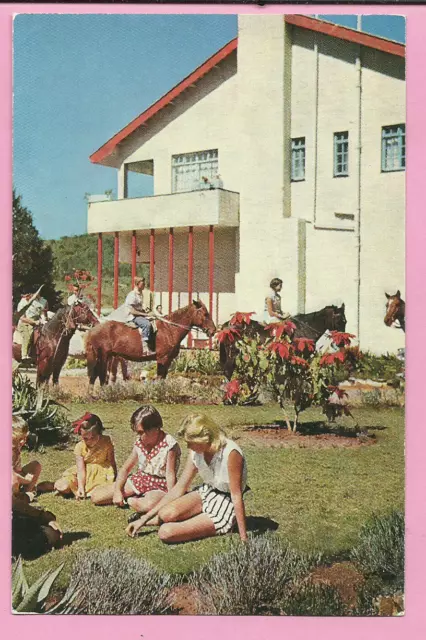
[277,329]
[67,278]
[232,389]
[281,348]
[302,344]
[246,357]
[228,335]
[341,339]
[299,361]
[241,318]
[331,358]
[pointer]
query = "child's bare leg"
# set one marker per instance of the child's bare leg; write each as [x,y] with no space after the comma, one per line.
[62,486]
[103,495]
[147,502]
[34,468]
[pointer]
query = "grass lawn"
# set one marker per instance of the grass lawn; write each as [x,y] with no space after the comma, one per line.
[319,497]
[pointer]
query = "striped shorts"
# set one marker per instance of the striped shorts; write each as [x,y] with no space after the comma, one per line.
[219,507]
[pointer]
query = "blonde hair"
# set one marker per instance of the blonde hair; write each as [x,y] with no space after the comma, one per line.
[19,429]
[201,429]
[137,280]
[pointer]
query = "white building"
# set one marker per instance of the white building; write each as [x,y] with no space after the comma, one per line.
[305,123]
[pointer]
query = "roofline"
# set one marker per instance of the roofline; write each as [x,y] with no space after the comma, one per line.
[108,148]
[302,21]
[344,33]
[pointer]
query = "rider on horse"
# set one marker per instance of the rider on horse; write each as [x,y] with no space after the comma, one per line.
[273,311]
[139,307]
[34,314]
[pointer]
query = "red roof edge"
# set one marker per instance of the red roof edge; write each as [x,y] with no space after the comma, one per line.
[343,33]
[108,148]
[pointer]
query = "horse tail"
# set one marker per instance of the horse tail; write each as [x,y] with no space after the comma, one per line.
[92,360]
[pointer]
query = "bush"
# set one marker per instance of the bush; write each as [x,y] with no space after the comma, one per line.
[309,599]
[380,368]
[173,390]
[114,582]
[75,363]
[201,361]
[380,550]
[46,419]
[249,579]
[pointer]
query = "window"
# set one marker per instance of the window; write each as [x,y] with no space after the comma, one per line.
[393,148]
[341,154]
[297,159]
[189,169]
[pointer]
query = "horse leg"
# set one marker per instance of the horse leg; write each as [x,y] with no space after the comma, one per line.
[113,368]
[125,370]
[162,369]
[102,368]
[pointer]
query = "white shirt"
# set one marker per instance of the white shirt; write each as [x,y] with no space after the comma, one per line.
[72,299]
[140,301]
[216,473]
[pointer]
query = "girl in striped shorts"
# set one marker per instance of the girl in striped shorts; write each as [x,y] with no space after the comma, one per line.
[214,507]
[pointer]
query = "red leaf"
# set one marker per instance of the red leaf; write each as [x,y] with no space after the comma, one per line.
[301,344]
[228,335]
[277,329]
[299,361]
[330,358]
[341,339]
[232,389]
[67,278]
[241,317]
[282,348]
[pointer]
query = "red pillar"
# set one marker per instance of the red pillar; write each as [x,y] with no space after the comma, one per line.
[151,260]
[133,257]
[211,274]
[190,272]
[99,301]
[116,255]
[171,251]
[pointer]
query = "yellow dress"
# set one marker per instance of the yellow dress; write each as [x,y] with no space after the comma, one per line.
[98,460]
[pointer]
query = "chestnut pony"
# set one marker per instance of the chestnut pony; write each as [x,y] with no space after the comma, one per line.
[395,310]
[117,339]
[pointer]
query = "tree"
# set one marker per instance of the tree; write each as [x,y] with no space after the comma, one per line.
[32,259]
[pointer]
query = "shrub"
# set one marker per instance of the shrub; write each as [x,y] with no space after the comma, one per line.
[382,368]
[26,599]
[309,599]
[46,419]
[380,549]
[114,582]
[202,361]
[75,363]
[249,579]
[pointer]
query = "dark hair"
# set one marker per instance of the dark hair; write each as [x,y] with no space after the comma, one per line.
[275,282]
[89,422]
[148,417]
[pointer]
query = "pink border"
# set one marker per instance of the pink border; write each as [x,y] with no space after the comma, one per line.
[413,624]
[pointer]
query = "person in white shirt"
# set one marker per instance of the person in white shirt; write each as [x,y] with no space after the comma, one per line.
[139,306]
[31,317]
[214,507]
[75,296]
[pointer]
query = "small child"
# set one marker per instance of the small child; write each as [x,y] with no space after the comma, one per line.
[24,478]
[157,455]
[95,460]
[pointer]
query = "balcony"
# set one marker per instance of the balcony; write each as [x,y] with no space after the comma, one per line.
[202,208]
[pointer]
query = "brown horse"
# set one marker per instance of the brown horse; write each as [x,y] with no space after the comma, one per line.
[17,348]
[117,339]
[54,341]
[395,310]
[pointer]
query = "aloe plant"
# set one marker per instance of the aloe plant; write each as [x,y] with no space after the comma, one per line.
[32,599]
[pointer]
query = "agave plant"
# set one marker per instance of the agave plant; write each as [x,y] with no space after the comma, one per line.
[45,417]
[26,599]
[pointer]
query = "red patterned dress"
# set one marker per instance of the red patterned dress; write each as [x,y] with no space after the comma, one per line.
[152,465]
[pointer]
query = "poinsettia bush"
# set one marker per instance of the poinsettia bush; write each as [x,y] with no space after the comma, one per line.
[288,366]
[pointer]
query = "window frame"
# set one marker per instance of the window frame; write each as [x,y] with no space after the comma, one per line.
[298,149]
[212,155]
[339,154]
[399,136]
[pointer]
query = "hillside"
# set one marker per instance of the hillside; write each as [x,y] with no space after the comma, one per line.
[81,252]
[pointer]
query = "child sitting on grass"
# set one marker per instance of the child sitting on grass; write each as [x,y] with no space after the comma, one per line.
[95,460]
[157,455]
[24,478]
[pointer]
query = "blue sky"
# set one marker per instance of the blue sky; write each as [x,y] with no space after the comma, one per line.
[78,79]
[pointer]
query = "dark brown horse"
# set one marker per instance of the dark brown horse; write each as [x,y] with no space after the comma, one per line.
[53,344]
[309,325]
[395,311]
[117,339]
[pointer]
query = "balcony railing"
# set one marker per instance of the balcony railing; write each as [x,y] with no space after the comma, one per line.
[192,208]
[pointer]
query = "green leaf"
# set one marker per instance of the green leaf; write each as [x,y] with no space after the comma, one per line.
[30,600]
[44,591]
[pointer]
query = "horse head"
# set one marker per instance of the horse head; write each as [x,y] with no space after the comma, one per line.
[81,314]
[201,318]
[395,310]
[339,318]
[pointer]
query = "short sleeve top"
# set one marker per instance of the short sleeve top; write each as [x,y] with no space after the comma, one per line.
[154,462]
[216,473]
[101,453]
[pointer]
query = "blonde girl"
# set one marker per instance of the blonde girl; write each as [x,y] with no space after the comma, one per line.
[95,460]
[24,478]
[214,507]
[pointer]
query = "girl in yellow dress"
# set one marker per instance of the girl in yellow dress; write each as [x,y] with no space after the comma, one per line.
[95,460]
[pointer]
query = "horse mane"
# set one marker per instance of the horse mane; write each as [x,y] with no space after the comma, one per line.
[58,320]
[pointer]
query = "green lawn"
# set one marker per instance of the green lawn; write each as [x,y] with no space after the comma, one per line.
[319,497]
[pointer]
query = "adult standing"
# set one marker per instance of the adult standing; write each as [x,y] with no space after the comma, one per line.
[33,314]
[139,307]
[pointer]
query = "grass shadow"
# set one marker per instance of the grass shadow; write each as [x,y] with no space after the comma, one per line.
[315,428]
[259,524]
[70,537]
